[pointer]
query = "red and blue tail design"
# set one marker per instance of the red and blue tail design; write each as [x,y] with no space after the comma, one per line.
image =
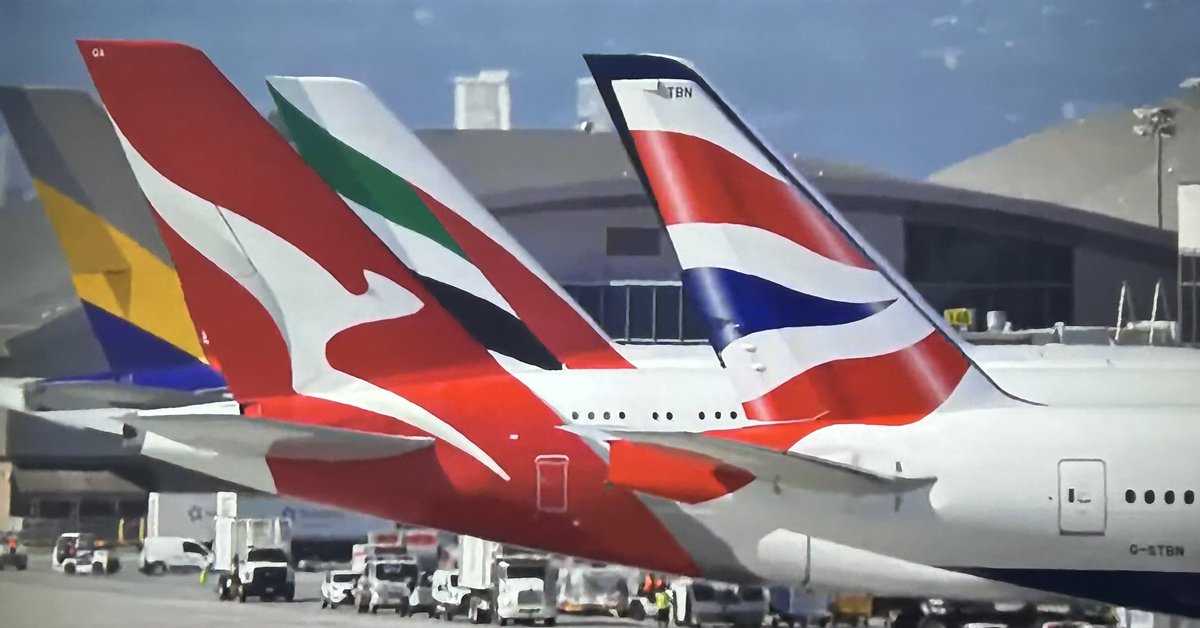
[811,324]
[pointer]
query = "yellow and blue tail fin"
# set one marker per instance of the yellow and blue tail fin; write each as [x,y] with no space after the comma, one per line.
[119,264]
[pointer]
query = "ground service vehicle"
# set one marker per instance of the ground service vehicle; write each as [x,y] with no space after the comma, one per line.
[361,553]
[421,599]
[77,552]
[252,552]
[797,606]
[266,573]
[161,554]
[507,587]
[338,588]
[15,558]
[700,602]
[385,583]
[596,590]
[448,595]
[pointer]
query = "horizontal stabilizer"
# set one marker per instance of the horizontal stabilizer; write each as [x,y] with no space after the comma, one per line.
[214,427]
[786,468]
[236,434]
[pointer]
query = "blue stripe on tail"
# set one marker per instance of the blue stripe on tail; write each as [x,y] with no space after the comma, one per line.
[136,356]
[737,305]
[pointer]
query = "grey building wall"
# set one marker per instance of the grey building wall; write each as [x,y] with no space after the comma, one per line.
[572,244]
[1098,276]
[884,232]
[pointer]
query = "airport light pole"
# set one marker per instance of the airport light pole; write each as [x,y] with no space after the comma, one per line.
[1158,123]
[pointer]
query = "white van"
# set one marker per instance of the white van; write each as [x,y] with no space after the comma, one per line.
[161,554]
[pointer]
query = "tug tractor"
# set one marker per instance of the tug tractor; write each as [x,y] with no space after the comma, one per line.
[78,553]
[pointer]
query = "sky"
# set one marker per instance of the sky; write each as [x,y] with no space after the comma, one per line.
[905,86]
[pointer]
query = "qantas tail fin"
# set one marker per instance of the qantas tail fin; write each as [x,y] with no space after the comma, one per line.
[299,301]
[119,264]
[811,323]
[460,252]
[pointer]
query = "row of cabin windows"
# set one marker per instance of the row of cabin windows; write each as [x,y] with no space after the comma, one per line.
[1131,496]
[592,416]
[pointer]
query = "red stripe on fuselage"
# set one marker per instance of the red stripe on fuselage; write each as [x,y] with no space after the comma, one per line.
[194,127]
[891,389]
[696,181]
[558,325]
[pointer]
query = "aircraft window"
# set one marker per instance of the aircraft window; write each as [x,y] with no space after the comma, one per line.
[716,415]
[1130,496]
[655,415]
[1149,497]
[591,415]
[574,416]
[701,416]
[1071,495]
[607,416]
[1188,497]
[733,415]
[1169,497]
[669,416]
[620,415]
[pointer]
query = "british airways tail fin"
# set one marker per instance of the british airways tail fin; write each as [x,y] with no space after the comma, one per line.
[119,264]
[812,325]
[478,272]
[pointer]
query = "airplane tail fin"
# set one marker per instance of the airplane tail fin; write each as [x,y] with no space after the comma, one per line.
[296,297]
[461,253]
[812,324]
[119,264]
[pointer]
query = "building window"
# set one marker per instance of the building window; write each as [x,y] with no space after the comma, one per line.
[633,241]
[641,311]
[958,267]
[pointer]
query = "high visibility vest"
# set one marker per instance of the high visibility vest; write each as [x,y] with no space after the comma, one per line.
[661,600]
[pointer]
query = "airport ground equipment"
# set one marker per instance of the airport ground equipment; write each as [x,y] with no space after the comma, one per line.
[362,553]
[796,606]
[77,553]
[701,602]
[161,554]
[596,590]
[338,588]
[16,558]
[386,583]
[507,587]
[421,599]
[251,558]
[448,594]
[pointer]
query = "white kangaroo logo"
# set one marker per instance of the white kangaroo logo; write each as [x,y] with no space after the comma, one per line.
[308,305]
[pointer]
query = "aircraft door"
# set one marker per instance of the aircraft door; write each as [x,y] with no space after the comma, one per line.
[552,483]
[1082,508]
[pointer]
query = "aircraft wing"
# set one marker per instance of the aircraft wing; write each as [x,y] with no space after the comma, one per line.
[785,467]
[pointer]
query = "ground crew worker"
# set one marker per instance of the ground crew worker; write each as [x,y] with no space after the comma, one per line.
[662,604]
[12,545]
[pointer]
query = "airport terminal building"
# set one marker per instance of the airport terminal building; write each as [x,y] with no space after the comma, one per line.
[574,201]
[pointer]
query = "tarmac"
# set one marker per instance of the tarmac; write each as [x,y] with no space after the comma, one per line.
[41,598]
